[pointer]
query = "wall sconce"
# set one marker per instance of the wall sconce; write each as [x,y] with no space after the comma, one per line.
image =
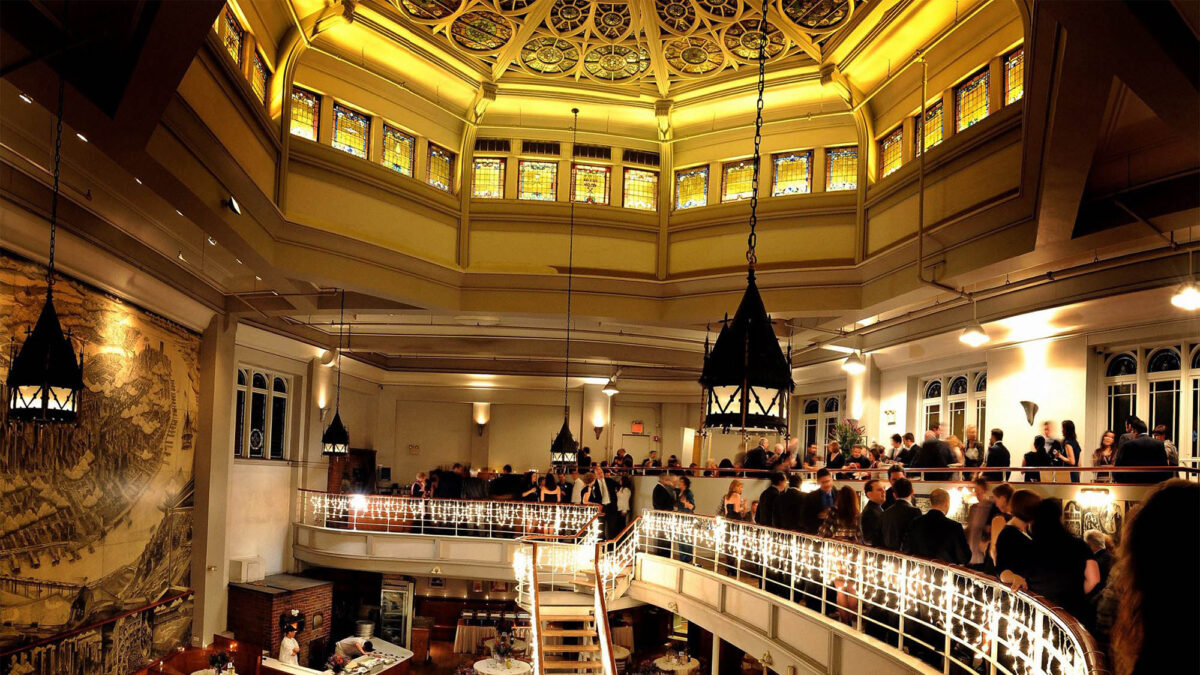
[324,412]
[482,413]
[1095,498]
[599,430]
[891,417]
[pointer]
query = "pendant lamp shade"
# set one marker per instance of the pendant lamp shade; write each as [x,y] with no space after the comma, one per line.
[336,439]
[562,450]
[45,378]
[746,377]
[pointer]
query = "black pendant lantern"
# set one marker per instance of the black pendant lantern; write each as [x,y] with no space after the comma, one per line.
[563,448]
[44,378]
[336,439]
[747,379]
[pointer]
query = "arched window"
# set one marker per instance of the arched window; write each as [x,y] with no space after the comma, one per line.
[1163,361]
[1121,365]
[819,416]
[811,407]
[933,389]
[260,415]
[1162,373]
[1120,387]
[958,386]
[981,405]
[953,400]
[831,404]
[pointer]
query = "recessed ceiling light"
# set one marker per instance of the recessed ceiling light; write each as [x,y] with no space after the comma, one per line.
[212,242]
[257,278]
[81,137]
[137,180]
[179,212]
[25,97]
[239,260]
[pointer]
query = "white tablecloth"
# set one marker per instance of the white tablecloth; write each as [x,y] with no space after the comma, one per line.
[490,667]
[467,638]
[620,653]
[623,635]
[665,665]
[518,645]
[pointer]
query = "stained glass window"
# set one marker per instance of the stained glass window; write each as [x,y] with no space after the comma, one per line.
[1014,76]
[306,111]
[890,152]
[691,187]
[351,130]
[487,180]
[398,150]
[841,169]
[233,36]
[971,100]
[932,127]
[641,189]
[259,76]
[737,180]
[537,180]
[793,173]
[589,183]
[441,168]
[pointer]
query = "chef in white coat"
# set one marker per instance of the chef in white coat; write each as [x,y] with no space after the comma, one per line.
[289,649]
[354,647]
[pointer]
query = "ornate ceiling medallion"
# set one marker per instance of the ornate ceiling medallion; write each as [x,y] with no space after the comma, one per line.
[612,21]
[742,39]
[694,55]
[549,54]
[818,16]
[615,63]
[676,16]
[481,31]
[429,10]
[569,16]
[721,9]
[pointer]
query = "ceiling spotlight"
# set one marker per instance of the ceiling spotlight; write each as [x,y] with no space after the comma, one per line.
[212,242]
[180,256]
[1187,297]
[974,334]
[233,205]
[81,137]
[853,364]
[610,389]
[25,98]
[137,180]
[238,260]
[179,212]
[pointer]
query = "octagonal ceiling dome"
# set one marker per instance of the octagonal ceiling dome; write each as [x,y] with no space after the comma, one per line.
[625,41]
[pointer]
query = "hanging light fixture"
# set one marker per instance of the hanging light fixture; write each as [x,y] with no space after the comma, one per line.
[854,364]
[747,379]
[562,449]
[1188,295]
[44,378]
[336,439]
[610,388]
[974,334]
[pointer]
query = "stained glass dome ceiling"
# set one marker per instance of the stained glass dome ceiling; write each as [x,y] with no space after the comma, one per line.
[626,41]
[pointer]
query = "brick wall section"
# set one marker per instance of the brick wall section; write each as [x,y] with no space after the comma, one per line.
[253,616]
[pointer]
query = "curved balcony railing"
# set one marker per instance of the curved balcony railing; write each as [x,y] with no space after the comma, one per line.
[1080,475]
[954,618]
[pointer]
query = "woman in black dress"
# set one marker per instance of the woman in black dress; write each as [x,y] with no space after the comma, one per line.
[1015,554]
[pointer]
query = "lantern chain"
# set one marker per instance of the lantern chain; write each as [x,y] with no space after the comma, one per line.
[752,239]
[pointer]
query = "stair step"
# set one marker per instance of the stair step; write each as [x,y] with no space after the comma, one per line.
[570,648]
[570,665]
[583,582]
[566,632]
[566,617]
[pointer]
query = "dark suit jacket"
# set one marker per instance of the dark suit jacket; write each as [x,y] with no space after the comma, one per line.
[756,458]
[896,520]
[997,456]
[936,537]
[933,454]
[905,456]
[789,509]
[1141,451]
[765,515]
[810,517]
[871,522]
[663,498]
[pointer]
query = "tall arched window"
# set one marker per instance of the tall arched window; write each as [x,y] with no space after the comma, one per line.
[954,400]
[833,406]
[1162,372]
[981,405]
[1120,383]
[819,414]
[260,428]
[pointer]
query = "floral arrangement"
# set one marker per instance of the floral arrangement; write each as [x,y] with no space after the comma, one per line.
[503,647]
[336,663]
[218,660]
[847,433]
[465,670]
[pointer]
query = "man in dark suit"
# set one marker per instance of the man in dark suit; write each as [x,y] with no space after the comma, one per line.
[895,473]
[935,536]
[789,506]
[663,497]
[1141,450]
[765,514]
[898,516]
[817,503]
[933,455]
[756,457]
[871,520]
[997,455]
[909,449]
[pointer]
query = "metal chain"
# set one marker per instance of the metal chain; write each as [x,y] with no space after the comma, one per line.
[54,197]
[341,325]
[570,271]
[752,240]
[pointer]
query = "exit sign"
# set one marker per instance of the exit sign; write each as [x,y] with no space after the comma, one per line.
[638,427]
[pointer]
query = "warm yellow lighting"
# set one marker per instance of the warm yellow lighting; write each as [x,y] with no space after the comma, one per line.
[482,412]
[1095,498]
[610,388]
[973,335]
[358,503]
[854,364]
[1187,297]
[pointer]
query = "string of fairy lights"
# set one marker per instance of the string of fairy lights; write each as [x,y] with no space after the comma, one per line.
[403,513]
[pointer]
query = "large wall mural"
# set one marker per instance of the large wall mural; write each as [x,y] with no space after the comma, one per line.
[96,520]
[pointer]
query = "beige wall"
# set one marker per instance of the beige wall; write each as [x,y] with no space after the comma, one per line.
[1051,373]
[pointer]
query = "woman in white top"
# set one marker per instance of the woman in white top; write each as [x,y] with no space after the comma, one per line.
[289,648]
[625,500]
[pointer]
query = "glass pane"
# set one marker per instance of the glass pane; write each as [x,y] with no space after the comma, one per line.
[981,418]
[811,407]
[971,101]
[830,423]
[831,404]
[691,188]
[259,381]
[241,377]
[306,111]
[234,36]
[793,174]
[981,382]
[239,424]
[958,418]
[589,184]
[441,167]
[641,189]
[933,389]
[810,433]
[487,181]
[1196,359]
[278,425]
[890,152]
[279,385]
[933,415]
[1121,364]
[1196,417]
[1014,76]
[259,77]
[1163,361]
[1164,406]
[932,126]
[258,423]
[397,150]
[537,180]
[958,386]
[1122,401]
[351,130]
[737,180]
[841,169]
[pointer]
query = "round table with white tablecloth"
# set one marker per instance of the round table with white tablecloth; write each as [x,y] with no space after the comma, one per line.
[623,635]
[620,653]
[518,644]
[467,637]
[669,666]
[492,667]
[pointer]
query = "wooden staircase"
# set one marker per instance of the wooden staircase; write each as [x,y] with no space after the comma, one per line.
[568,638]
